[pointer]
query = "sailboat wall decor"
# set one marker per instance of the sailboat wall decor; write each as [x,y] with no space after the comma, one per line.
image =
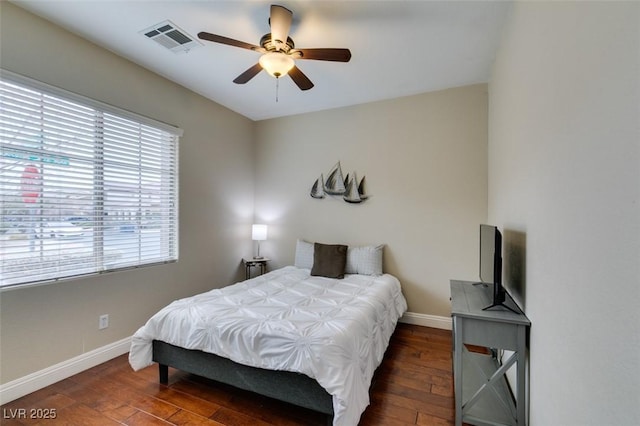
[335,182]
[349,188]
[317,190]
[355,191]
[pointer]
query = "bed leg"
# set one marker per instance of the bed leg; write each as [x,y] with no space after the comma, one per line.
[164,374]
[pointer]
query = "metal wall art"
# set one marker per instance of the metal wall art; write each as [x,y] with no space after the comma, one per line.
[349,188]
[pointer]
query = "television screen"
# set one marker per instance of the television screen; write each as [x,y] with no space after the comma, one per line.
[487,253]
[491,264]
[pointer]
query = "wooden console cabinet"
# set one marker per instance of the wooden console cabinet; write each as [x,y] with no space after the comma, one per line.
[483,396]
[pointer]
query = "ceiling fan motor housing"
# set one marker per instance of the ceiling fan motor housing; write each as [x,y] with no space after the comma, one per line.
[276,45]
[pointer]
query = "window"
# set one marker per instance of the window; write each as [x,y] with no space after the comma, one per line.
[84,187]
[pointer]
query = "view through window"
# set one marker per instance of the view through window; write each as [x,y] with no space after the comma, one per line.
[84,187]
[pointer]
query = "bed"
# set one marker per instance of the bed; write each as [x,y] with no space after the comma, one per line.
[292,334]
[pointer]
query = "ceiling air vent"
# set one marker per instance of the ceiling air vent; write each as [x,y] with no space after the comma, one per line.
[169,36]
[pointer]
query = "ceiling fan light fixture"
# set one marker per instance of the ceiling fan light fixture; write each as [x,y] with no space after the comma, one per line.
[279,52]
[276,64]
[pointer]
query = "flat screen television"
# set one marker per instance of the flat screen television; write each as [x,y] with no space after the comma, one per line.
[491,264]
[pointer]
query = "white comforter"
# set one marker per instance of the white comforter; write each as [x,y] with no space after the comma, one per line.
[335,331]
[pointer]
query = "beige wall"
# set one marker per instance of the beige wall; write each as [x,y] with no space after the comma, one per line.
[425,161]
[564,181]
[45,325]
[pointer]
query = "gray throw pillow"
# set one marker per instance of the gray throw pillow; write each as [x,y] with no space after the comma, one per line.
[329,260]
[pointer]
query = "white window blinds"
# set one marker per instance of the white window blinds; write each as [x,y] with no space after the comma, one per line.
[84,187]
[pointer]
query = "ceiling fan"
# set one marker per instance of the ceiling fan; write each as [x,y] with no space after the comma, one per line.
[279,52]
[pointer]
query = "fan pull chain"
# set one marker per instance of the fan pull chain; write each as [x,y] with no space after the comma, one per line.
[277,87]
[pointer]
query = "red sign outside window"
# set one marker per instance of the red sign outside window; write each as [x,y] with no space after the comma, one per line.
[30,184]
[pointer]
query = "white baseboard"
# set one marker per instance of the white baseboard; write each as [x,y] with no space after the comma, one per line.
[426,320]
[50,375]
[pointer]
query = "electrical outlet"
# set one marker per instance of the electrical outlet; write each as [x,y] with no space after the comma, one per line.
[103,321]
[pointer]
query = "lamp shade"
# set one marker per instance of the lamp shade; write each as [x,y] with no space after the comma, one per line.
[276,63]
[259,232]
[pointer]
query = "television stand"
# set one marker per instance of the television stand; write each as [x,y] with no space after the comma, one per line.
[482,392]
[496,304]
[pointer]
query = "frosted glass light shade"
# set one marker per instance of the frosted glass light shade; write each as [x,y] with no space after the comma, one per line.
[276,63]
[259,232]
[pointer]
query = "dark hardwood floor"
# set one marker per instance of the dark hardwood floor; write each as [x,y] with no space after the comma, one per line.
[412,386]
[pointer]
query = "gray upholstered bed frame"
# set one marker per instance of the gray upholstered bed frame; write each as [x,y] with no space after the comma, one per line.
[294,388]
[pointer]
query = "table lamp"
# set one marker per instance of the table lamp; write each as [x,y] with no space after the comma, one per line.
[258,233]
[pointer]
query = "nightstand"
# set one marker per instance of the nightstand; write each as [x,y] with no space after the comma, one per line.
[252,263]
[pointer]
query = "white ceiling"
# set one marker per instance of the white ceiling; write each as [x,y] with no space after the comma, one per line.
[398,48]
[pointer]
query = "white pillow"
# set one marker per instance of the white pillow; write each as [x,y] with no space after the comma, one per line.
[366,260]
[304,255]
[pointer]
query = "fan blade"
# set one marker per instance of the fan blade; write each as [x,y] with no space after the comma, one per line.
[336,55]
[248,74]
[228,41]
[280,22]
[301,80]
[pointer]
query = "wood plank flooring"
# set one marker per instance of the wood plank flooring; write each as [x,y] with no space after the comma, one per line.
[412,386]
